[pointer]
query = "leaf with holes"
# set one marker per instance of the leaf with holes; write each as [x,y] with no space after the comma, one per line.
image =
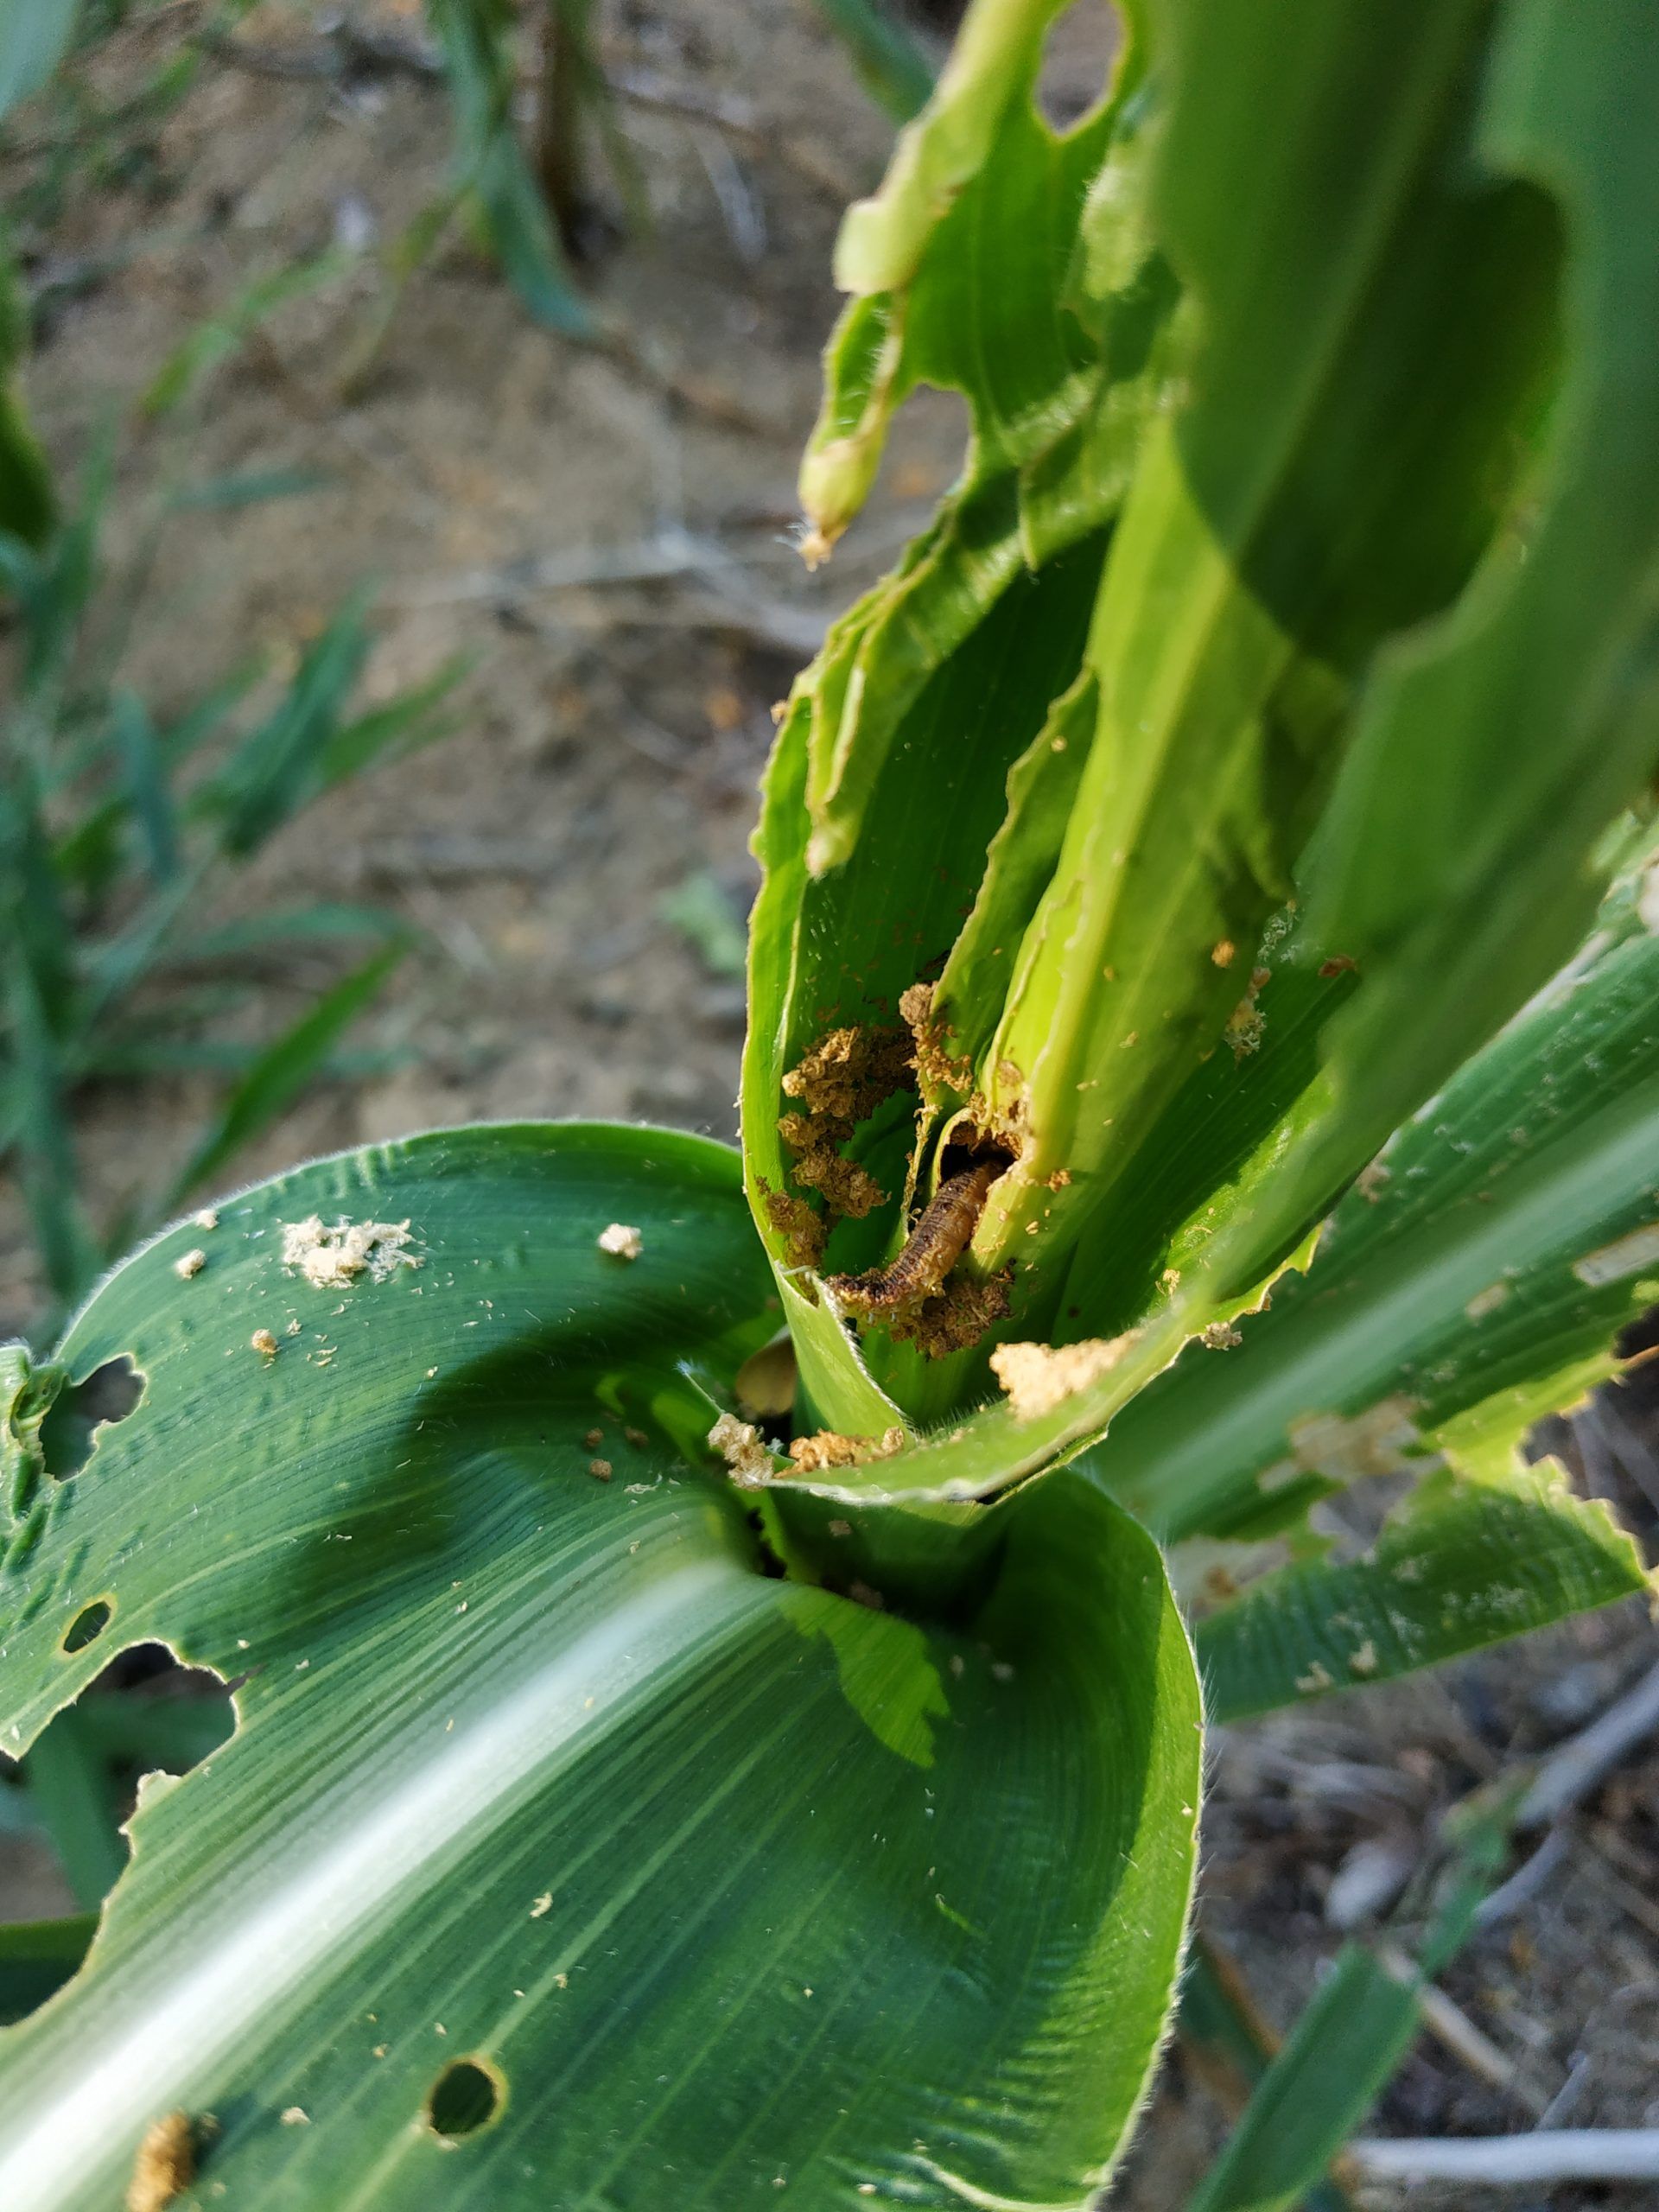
[566,1849]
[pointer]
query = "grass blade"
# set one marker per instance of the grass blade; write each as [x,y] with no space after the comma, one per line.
[892,67]
[403,726]
[277,766]
[284,1070]
[221,334]
[62,584]
[1334,2063]
[41,1004]
[247,488]
[1225,2035]
[325,923]
[26,498]
[143,774]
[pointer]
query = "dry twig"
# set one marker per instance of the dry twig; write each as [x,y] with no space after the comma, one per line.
[1578,1766]
[1515,2161]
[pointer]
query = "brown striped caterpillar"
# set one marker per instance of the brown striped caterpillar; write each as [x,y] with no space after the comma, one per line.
[933,1248]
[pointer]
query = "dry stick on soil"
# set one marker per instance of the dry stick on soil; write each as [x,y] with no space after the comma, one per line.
[1619,1851]
[1455,2032]
[1525,1883]
[644,88]
[1580,1765]
[670,555]
[1599,1861]
[349,49]
[1516,2161]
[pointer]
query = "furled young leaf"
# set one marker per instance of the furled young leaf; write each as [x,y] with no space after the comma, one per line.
[817,958]
[702,1872]
[1459,864]
[1003,302]
[1322,444]
[929,691]
[1476,1283]
[1279,527]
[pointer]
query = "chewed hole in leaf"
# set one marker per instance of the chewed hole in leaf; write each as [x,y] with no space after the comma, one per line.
[142,1723]
[466,2096]
[88,1625]
[1078,56]
[69,1432]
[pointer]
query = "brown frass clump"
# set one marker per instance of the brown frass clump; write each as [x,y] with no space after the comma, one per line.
[846,1187]
[847,1073]
[938,1068]
[801,1226]
[839,1084]
[955,1317]
[817,1455]
[165,2164]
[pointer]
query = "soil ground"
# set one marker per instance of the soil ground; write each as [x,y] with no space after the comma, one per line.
[610,738]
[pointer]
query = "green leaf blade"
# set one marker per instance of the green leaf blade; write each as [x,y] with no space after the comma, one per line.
[539,1772]
[1463,1564]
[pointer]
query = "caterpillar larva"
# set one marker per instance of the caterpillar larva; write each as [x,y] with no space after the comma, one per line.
[933,1248]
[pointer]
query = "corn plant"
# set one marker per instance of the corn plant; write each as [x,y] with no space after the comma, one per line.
[1202,1059]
